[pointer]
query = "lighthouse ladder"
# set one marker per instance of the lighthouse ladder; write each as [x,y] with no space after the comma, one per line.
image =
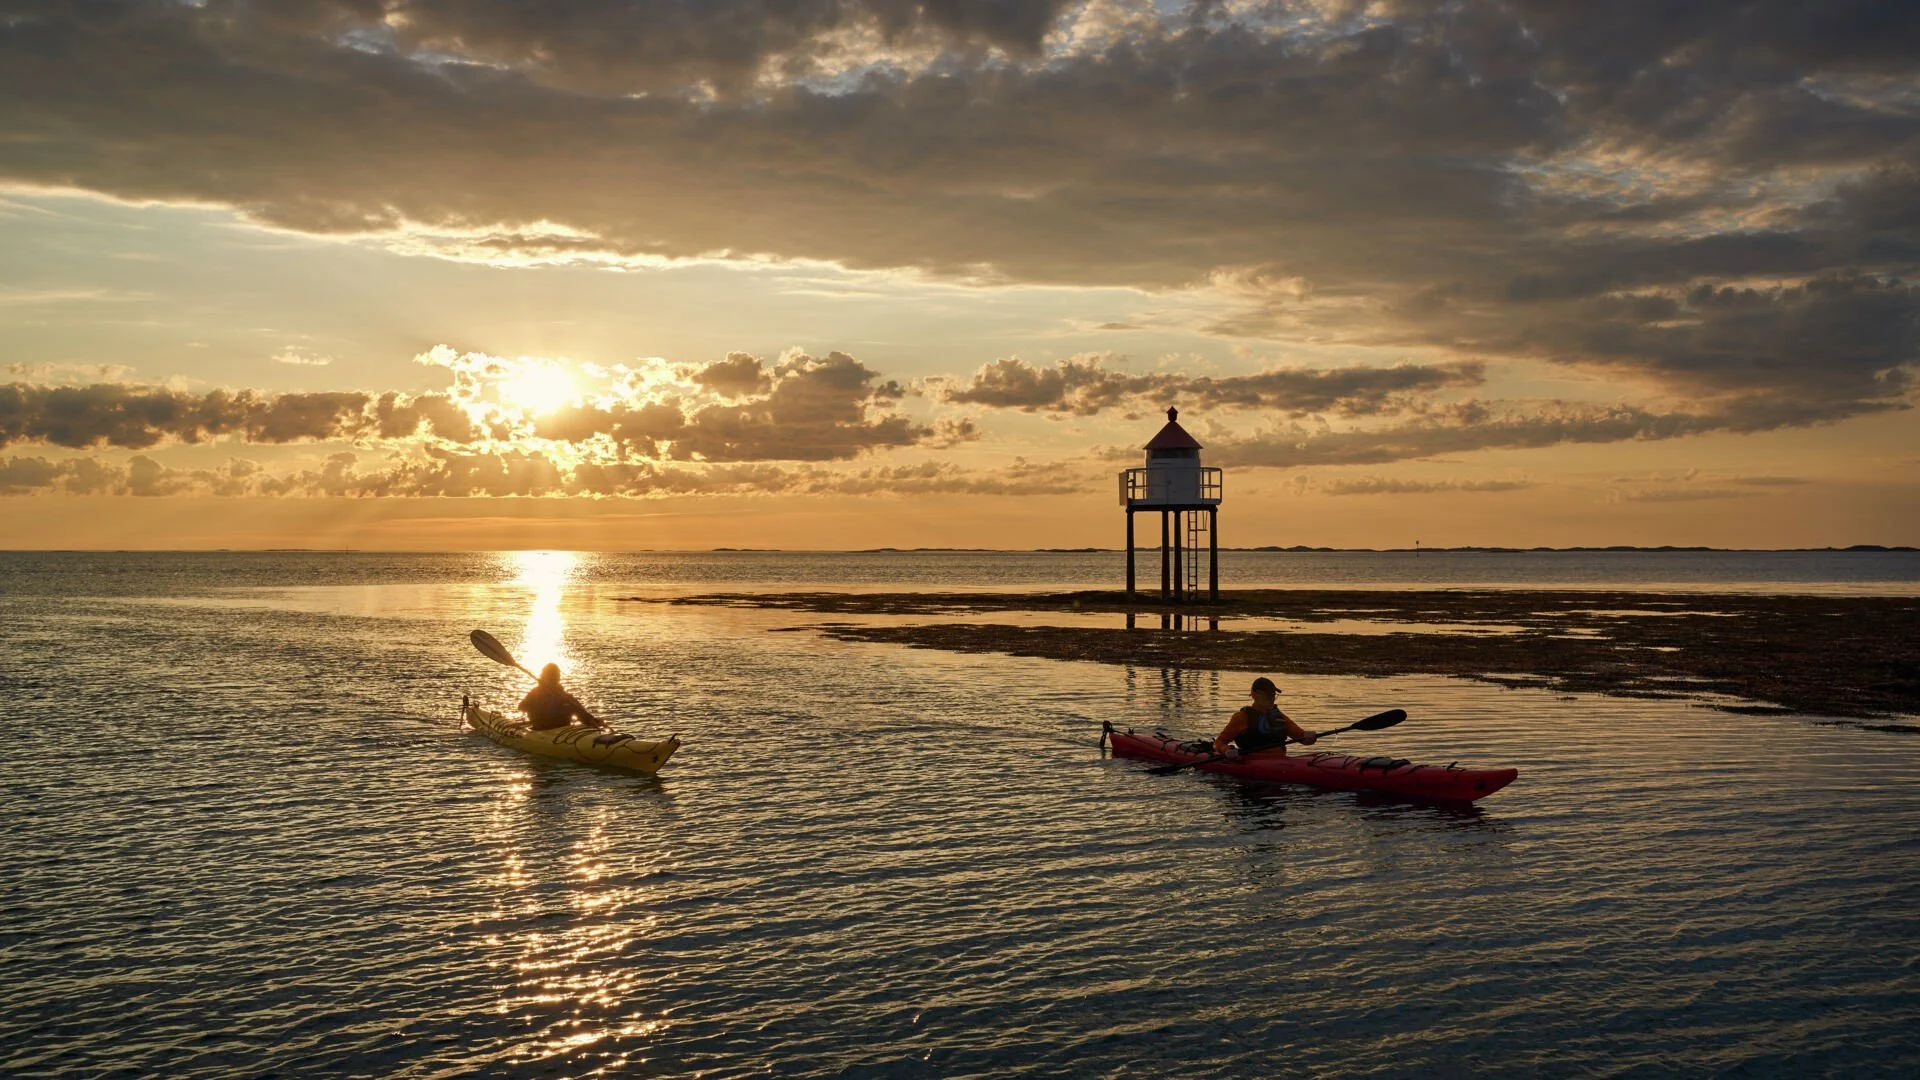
[1196,544]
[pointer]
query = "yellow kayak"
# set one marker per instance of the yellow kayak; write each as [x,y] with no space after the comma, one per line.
[591,746]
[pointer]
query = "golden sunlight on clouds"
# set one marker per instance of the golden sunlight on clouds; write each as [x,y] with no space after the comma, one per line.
[1439,262]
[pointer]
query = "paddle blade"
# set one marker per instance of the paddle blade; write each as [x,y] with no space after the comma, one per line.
[1381,721]
[490,646]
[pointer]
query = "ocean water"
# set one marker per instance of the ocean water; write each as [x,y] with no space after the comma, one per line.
[247,836]
[1834,572]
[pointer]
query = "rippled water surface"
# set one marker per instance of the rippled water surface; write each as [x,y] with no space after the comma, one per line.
[248,836]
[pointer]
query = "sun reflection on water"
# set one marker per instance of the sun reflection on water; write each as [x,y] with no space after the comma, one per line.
[562,914]
[546,575]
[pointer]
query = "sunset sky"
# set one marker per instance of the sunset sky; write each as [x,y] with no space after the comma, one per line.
[849,273]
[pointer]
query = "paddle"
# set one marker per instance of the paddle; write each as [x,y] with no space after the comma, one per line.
[491,648]
[1376,722]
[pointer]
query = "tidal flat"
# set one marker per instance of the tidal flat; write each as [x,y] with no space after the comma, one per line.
[1852,659]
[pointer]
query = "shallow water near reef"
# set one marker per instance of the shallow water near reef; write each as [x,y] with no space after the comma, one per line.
[248,836]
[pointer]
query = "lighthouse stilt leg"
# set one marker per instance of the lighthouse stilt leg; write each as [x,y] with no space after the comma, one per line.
[1166,559]
[1179,571]
[1213,554]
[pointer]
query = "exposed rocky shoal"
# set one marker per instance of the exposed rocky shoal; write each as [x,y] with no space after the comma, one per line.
[1831,656]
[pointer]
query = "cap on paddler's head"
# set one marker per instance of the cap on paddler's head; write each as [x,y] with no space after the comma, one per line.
[1264,683]
[550,675]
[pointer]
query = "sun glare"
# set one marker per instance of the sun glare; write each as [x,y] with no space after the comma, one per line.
[544,574]
[539,388]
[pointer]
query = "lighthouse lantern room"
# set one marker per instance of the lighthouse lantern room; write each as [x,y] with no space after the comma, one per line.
[1187,496]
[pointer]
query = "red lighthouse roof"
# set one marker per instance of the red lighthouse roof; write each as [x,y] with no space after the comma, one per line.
[1173,436]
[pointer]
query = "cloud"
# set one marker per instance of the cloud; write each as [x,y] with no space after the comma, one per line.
[141,475]
[1685,494]
[1147,159]
[815,409]
[1385,485]
[137,417]
[928,478]
[1830,347]
[299,357]
[13,296]
[951,431]
[801,408]
[1713,200]
[1426,142]
[805,408]
[739,375]
[20,475]
[1084,386]
[1472,426]
[1837,346]
[397,416]
[1770,481]
[1693,485]
[71,374]
[440,472]
[719,47]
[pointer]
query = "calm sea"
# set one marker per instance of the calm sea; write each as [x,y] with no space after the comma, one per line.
[247,837]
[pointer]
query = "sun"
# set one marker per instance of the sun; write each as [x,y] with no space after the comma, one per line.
[539,387]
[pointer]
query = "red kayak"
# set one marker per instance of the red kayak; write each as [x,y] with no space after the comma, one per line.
[1449,783]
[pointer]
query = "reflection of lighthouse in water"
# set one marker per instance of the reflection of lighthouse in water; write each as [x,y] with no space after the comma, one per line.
[1187,495]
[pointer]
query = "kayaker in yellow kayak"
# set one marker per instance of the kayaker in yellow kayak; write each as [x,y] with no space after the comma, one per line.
[548,706]
[1261,725]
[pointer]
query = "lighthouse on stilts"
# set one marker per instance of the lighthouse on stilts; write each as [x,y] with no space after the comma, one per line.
[1187,496]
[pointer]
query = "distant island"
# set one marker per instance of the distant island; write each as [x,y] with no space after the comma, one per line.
[1303,548]
[1608,547]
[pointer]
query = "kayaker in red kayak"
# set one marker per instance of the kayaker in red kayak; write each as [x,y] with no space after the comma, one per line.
[1261,725]
[548,706]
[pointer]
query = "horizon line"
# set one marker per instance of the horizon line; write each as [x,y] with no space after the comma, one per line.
[729,550]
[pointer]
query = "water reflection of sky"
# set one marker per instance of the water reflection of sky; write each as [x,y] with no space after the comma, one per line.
[879,861]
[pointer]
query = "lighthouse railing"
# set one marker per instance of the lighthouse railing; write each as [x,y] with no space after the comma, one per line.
[1151,486]
[1212,483]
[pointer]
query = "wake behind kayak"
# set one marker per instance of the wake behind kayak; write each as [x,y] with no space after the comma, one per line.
[1445,783]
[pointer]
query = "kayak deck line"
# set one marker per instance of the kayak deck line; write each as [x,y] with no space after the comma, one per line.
[586,745]
[1323,769]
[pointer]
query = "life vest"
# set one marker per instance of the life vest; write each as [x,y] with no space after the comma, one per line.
[549,708]
[1265,730]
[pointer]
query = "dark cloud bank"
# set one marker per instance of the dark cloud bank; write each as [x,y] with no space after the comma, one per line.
[1716,201]
[776,420]
[1085,385]
[802,409]
[441,472]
